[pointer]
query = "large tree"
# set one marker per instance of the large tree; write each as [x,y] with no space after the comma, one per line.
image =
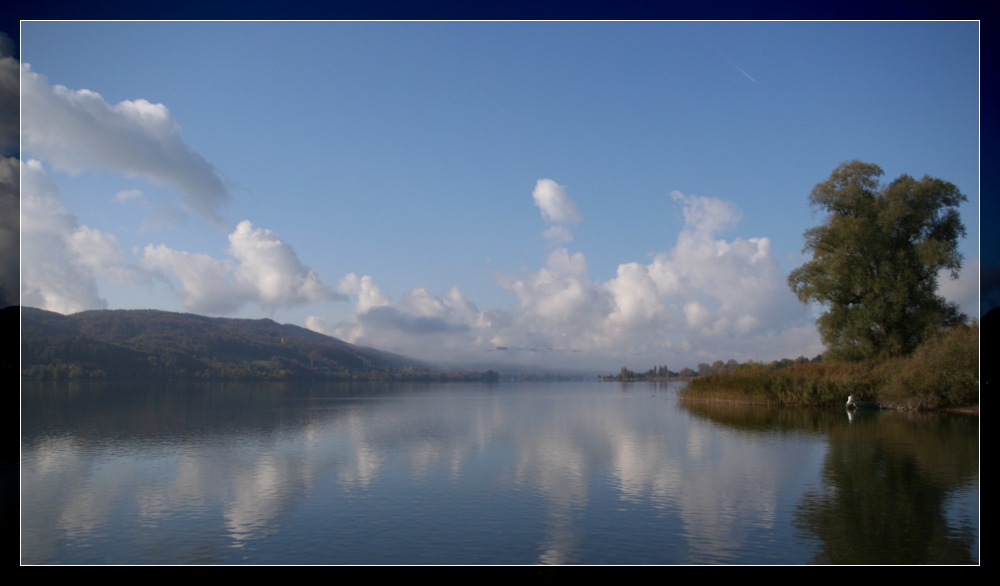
[876,258]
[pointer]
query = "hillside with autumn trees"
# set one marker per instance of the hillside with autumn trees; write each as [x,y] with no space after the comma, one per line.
[151,344]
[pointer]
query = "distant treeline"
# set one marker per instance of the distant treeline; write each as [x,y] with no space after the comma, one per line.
[662,373]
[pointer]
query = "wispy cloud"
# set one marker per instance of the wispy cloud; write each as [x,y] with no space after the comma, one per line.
[129,195]
[738,68]
[76,129]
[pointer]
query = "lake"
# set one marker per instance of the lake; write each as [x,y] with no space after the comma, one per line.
[509,473]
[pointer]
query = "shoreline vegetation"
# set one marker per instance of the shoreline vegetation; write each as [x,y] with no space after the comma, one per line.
[942,373]
[891,339]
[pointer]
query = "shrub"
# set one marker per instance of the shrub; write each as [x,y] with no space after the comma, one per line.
[942,372]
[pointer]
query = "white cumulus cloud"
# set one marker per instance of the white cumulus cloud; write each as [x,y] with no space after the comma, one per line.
[61,259]
[369,293]
[76,129]
[272,270]
[208,285]
[554,202]
[703,299]
[263,269]
[421,325]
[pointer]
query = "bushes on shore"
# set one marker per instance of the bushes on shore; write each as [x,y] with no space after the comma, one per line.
[942,372]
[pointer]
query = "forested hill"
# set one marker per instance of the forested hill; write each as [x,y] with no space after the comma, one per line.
[126,344]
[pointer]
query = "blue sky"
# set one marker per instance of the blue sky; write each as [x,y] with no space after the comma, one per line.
[585,195]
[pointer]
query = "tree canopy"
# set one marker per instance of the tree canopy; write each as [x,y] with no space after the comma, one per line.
[876,259]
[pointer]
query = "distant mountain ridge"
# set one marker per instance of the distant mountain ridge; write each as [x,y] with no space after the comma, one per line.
[147,343]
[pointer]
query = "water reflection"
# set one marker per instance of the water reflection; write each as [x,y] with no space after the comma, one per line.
[550,474]
[887,485]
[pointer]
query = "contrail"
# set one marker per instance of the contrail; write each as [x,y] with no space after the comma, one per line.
[738,67]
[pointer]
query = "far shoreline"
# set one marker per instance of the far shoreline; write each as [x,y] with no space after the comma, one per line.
[895,407]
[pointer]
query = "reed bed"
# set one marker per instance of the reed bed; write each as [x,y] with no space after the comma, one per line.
[943,372]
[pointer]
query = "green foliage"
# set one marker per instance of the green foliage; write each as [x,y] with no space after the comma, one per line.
[823,383]
[942,372]
[876,258]
[657,373]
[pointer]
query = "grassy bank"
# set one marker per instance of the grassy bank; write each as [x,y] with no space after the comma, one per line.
[943,372]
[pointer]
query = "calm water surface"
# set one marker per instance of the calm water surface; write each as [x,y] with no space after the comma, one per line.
[553,473]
